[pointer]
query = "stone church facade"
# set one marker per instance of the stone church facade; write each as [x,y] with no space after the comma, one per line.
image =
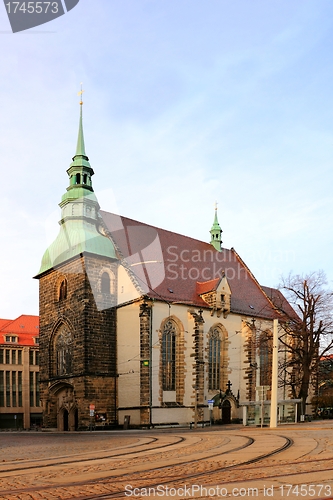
[145,325]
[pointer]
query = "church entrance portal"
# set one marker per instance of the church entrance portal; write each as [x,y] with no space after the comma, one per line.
[76,419]
[64,420]
[226,412]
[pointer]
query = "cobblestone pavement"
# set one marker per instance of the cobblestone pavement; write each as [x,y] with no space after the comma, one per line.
[212,463]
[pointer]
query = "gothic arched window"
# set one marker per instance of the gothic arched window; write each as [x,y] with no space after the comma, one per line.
[107,281]
[169,337]
[63,290]
[265,357]
[63,348]
[214,360]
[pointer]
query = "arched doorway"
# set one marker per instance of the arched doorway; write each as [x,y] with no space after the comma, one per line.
[76,419]
[68,417]
[226,412]
[65,419]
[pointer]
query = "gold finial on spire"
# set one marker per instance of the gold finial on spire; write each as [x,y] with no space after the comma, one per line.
[80,93]
[216,205]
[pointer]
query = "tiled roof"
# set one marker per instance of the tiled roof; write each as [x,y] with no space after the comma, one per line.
[3,322]
[207,286]
[25,328]
[168,266]
[280,302]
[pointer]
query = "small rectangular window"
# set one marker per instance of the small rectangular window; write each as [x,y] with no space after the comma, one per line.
[1,356]
[7,356]
[13,357]
[31,357]
[19,357]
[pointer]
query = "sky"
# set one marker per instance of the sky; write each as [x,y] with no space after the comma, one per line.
[186,103]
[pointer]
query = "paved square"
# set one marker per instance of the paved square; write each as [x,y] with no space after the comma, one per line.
[294,461]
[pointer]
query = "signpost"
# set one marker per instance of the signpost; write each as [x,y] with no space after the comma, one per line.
[210,406]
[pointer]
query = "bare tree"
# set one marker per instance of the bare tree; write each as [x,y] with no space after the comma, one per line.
[309,330]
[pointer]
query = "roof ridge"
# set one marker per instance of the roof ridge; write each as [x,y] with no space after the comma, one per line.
[256,281]
[161,229]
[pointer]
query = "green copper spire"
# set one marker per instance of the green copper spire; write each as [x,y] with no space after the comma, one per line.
[80,149]
[80,159]
[80,219]
[216,233]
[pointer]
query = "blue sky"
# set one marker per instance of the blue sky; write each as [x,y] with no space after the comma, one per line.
[186,103]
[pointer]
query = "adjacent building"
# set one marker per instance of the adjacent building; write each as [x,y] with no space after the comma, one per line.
[19,373]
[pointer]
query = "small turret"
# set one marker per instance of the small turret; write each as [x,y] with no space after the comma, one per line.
[216,233]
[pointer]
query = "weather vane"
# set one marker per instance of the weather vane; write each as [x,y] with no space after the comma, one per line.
[80,94]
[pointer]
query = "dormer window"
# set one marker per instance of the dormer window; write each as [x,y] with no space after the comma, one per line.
[11,338]
[36,340]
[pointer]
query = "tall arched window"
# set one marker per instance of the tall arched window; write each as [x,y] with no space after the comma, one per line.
[265,357]
[169,338]
[105,283]
[214,360]
[63,290]
[63,349]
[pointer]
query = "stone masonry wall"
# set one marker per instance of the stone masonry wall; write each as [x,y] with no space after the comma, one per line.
[93,333]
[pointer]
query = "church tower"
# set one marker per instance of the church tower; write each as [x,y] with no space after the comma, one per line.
[77,297]
[216,234]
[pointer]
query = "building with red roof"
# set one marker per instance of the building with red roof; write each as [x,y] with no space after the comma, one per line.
[19,373]
[143,325]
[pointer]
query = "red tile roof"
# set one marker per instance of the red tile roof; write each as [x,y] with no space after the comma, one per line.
[3,322]
[207,286]
[168,266]
[25,328]
[280,302]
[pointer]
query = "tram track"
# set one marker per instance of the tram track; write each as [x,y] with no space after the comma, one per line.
[206,474]
[114,477]
[158,475]
[80,458]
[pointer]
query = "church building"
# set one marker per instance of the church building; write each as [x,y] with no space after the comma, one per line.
[144,326]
